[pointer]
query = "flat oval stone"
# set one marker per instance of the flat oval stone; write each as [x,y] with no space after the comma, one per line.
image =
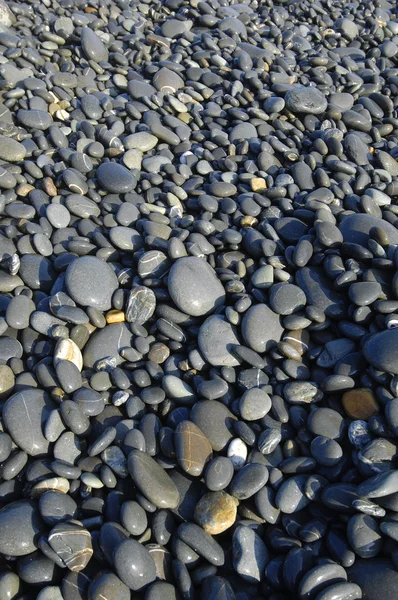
[356,228]
[219,473]
[291,497]
[24,416]
[92,46]
[320,577]
[248,481]
[261,328]
[249,554]
[108,586]
[215,421]
[216,339]
[377,578]
[192,447]
[201,542]
[381,350]
[107,342]
[20,525]
[194,287]
[134,564]
[364,536]
[11,150]
[306,100]
[115,178]
[152,481]
[140,306]
[380,485]
[35,119]
[91,282]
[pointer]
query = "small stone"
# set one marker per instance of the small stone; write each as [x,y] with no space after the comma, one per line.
[140,306]
[237,453]
[66,349]
[20,524]
[216,512]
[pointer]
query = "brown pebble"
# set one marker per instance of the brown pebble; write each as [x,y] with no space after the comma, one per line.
[298,340]
[248,221]
[115,316]
[158,353]
[216,512]
[258,184]
[49,186]
[192,447]
[360,404]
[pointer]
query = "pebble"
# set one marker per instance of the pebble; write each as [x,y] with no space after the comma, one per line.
[216,512]
[192,448]
[249,554]
[152,481]
[91,282]
[134,564]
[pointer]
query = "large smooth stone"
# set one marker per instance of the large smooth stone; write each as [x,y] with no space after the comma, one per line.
[217,337]
[24,415]
[194,287]
[152,481]
[215,421]
[20,524]
[92,46]
[377,577]
[306,100]
[356,228]
[107,342]
[381,351]
[261,328]
[91,282]
[319,291]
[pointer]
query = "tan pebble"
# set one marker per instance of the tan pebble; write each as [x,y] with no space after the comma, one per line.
[216,512]
[49,186]
[115,316]
[66,349]
[360,404]
[59,484]
[52,109]
[24,189]
[62,115]
[258,184]
[248,221]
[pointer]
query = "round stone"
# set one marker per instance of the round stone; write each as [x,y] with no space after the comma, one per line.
[134,565]
[360,404]
[115,178]
[91,282]
[20,525]
[194,287]
[216,512]
[306,100]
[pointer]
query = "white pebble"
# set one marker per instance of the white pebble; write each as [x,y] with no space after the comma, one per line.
[120,398]
[237,453]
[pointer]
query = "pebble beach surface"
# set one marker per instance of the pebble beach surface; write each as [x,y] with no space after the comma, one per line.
[198,300]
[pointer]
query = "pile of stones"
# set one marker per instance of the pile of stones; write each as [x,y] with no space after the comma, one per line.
[198,300]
